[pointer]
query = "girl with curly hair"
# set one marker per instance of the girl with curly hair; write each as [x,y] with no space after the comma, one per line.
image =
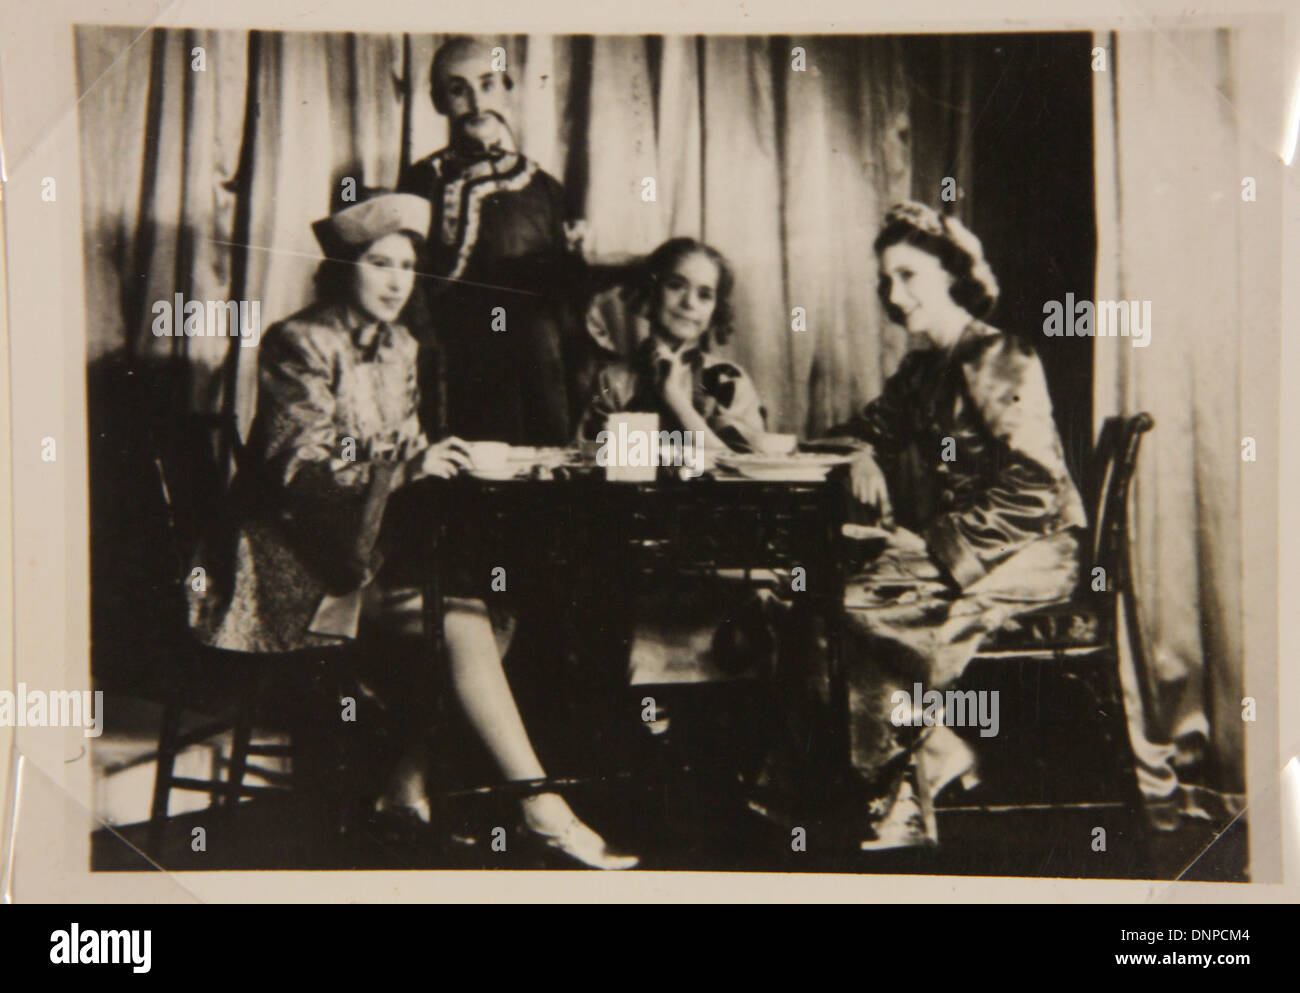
[976,519]
[666,325]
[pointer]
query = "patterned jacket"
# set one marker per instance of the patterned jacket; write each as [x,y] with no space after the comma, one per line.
[333,390]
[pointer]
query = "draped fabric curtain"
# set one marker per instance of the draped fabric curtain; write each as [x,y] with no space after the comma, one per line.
[1183,120]
[207,154]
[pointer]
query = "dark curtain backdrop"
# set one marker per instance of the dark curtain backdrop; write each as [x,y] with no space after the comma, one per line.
[1010,118]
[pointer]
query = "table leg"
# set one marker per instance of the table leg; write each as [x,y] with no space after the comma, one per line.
[835,620]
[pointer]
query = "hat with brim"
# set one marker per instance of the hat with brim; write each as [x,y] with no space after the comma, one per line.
[361,223]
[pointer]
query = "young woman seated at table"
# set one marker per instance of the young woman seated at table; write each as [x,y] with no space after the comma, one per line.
[657,340]
[966,473]
[337,389]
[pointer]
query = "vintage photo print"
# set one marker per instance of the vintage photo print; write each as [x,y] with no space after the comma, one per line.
[788,446]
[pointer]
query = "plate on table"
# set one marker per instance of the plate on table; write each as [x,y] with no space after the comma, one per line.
[833,446]
[530,455]
[790,474]
[801,467]
[521,460]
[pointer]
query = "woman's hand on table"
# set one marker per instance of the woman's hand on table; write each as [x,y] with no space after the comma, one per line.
[443,459]
[868,484]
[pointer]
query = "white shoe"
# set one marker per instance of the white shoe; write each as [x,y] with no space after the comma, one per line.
[909,821]
[582,844]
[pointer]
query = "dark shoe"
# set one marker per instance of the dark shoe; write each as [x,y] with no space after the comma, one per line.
[398,824]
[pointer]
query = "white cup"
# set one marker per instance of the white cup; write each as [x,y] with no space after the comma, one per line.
[490,458]
[777,444]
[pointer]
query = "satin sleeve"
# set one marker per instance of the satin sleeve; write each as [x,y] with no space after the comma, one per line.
[886,422]
[1030,494]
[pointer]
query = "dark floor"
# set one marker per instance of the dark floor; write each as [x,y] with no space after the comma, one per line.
[676,801]
[685,829]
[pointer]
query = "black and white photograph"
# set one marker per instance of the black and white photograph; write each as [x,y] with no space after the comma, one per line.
[847,453]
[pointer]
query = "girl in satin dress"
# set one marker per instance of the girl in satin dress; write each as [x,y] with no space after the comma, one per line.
[977,519]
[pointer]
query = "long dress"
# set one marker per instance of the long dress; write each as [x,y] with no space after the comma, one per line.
[974,464]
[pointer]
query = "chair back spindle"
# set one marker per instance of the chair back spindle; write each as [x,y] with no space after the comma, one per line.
[1108,497]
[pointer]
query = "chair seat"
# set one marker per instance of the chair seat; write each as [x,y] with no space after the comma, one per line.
[1075,625]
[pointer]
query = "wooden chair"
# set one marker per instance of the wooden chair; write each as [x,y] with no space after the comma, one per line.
[1080,641]
[233,692]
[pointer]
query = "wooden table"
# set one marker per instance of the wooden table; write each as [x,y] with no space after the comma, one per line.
[589,541]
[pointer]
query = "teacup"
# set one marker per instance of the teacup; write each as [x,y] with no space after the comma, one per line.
[777,444]
[490,458]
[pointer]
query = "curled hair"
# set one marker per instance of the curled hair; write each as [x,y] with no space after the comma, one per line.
[660,263]
[974,287]
[335,277]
